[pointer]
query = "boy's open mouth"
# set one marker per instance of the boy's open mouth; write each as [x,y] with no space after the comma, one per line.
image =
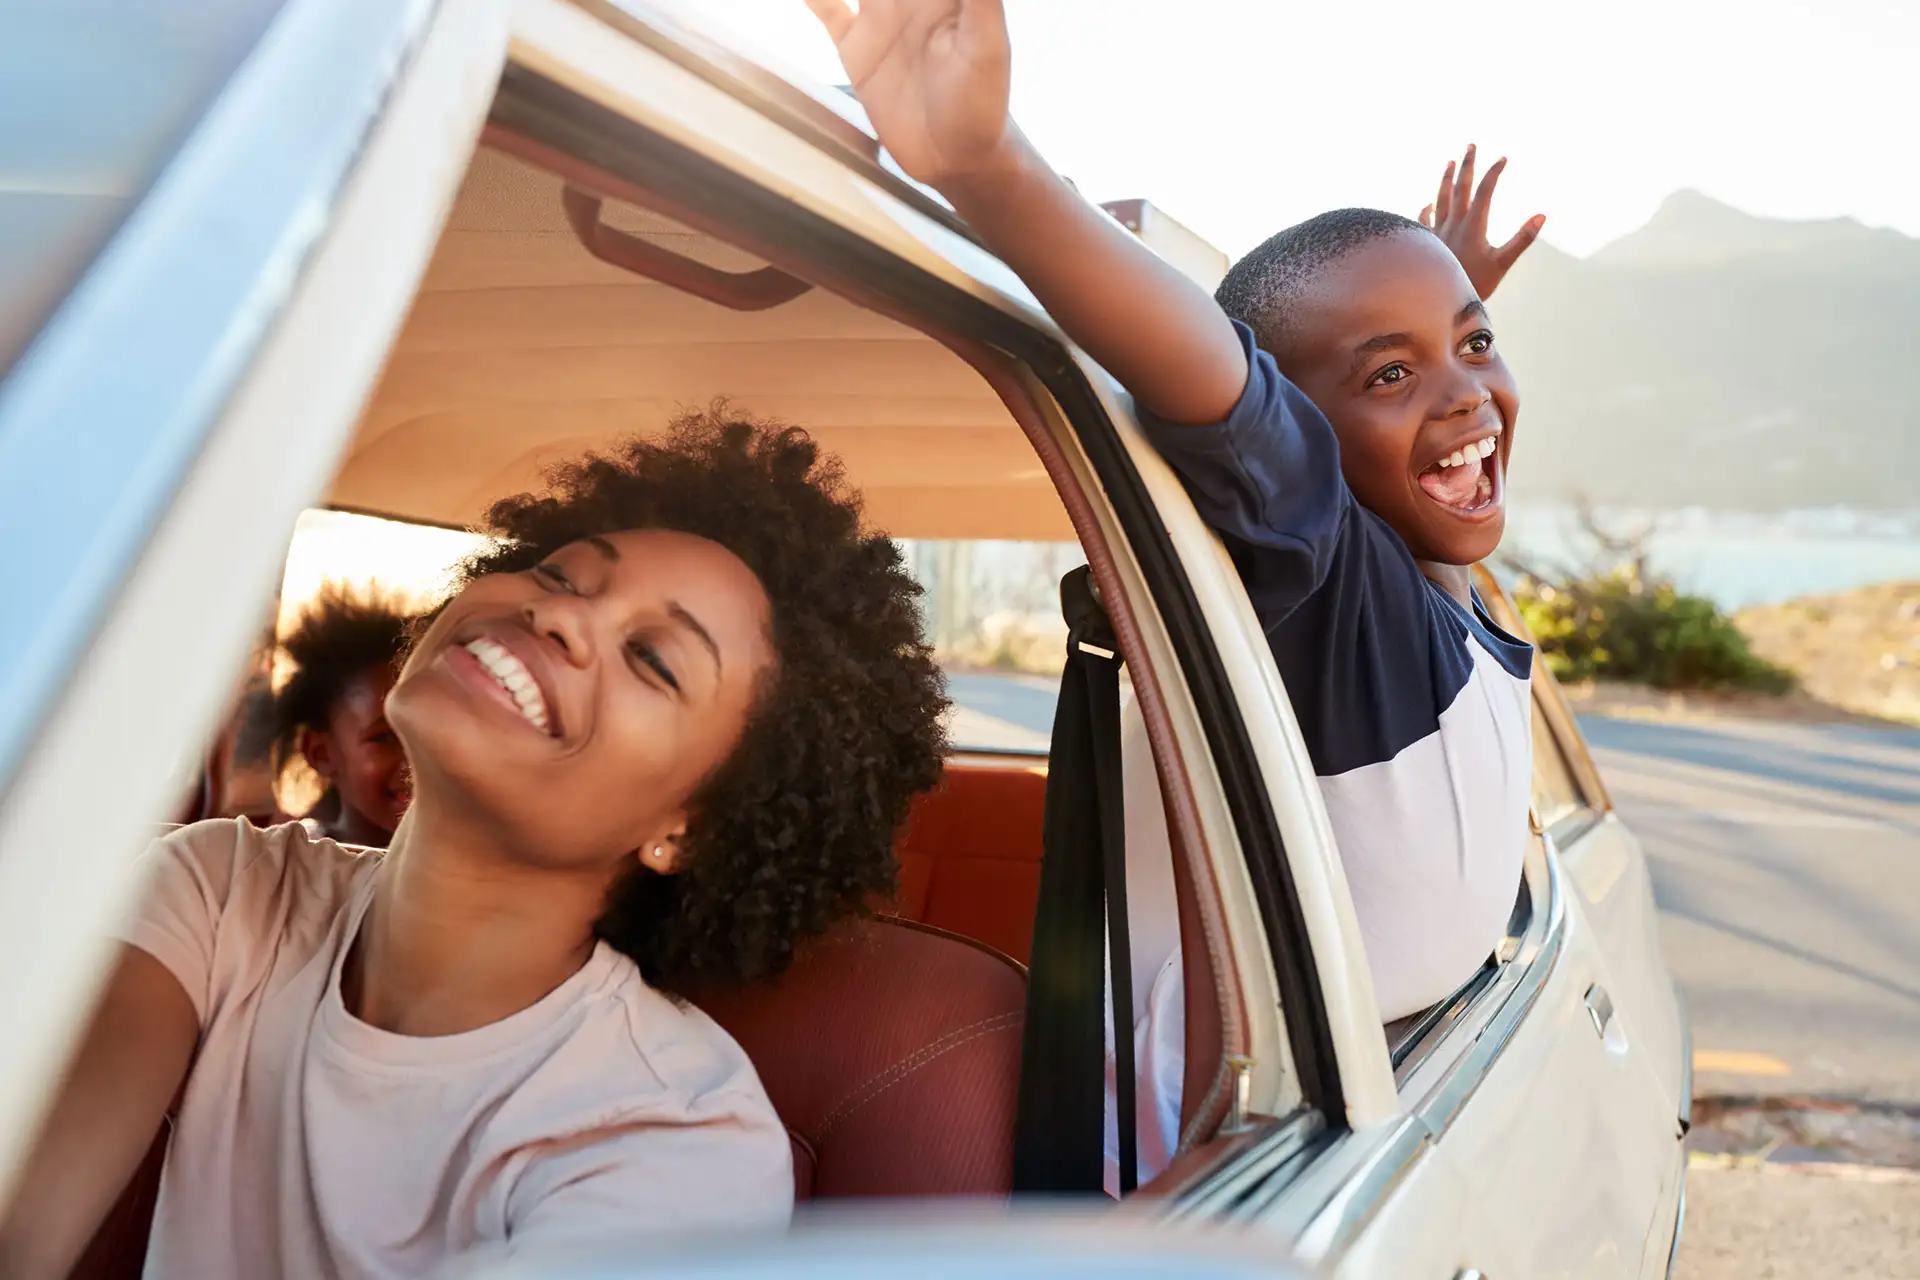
[1467,481]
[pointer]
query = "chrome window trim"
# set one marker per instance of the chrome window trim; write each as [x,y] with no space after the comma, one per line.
[1031,755]
[1359,1198]
[1442,1020]
[1472,1003]
[182,307]
[1520,988]
[1258,1171]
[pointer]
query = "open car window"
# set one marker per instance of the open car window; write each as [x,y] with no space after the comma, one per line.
[531,339]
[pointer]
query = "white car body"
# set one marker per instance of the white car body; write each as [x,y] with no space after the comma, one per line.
[245,307]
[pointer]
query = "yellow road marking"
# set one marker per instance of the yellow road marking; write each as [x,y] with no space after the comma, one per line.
[1739,1064]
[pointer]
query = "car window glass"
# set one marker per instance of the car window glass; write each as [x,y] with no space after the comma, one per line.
[992,610]
[1556,793]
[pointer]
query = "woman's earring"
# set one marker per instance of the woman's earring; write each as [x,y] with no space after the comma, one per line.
[659,853]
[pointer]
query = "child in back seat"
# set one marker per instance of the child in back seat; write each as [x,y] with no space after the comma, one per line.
[331,713]
[1355,491]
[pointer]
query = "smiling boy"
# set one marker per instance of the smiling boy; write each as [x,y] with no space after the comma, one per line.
[1356,490]
[1345,426]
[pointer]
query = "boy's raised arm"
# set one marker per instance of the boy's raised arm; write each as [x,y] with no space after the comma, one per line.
[933,76]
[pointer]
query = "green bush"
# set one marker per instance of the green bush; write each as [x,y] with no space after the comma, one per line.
[1616,624]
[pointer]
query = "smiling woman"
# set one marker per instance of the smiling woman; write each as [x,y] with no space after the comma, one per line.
[764,648]
[667,725]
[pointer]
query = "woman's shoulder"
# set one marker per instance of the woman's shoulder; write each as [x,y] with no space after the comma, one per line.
[235,858]
[630,1060]
[693,1057]
[647,1104]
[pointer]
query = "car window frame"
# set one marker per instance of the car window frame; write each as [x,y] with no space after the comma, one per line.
[530,105]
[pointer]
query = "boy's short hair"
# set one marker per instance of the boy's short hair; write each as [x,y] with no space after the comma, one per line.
[1261,289]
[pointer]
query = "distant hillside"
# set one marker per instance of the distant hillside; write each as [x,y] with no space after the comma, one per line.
[1859,650]
[1717,359]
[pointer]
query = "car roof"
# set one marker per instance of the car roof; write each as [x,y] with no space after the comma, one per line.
[523,349]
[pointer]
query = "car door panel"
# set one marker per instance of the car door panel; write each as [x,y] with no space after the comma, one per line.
[1608,871]
[1568,1137]
[1432,1225]
[1537,1141]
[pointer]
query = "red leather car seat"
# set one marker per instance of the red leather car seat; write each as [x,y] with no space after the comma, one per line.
[892,1052]
[970,853]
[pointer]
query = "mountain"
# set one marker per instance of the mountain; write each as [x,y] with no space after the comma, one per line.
[1717,359]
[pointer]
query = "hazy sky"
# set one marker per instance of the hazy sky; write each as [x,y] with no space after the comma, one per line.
[1239,117]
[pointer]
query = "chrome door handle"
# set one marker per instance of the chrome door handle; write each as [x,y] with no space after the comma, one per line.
[1600,1009]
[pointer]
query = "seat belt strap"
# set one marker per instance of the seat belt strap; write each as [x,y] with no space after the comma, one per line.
[1103,707]
[1080,947]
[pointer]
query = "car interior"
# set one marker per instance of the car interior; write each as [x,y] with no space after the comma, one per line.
[560,313]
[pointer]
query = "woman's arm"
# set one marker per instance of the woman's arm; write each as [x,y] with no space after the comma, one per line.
[131,1062]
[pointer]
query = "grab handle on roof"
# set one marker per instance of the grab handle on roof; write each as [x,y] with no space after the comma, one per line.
[740,290]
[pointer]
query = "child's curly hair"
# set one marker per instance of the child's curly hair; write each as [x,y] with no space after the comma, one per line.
[341,634]
[796,829]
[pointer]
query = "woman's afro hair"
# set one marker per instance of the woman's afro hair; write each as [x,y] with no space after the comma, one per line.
[795,830]
[342,634]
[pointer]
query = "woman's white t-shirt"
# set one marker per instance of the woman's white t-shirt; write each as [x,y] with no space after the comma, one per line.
[309,1143]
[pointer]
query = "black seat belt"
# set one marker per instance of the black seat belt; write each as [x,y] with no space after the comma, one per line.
[1080,943]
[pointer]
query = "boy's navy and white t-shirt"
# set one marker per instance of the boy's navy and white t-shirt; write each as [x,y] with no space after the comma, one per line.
[1415,708]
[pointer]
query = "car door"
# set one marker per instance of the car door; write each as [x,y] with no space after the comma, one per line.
[1537,1133]
[1530,1138]
[176,408]
[1548,1106]
[1608,871]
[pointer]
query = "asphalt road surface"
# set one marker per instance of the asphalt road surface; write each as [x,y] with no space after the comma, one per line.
[1786,862]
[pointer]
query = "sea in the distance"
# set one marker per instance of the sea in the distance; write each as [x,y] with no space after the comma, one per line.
[1736,559]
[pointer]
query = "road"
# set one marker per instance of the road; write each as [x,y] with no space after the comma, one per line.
[1751,1224]
[1786,863]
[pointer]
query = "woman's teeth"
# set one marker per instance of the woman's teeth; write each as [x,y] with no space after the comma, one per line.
[1480,449]
[512,675]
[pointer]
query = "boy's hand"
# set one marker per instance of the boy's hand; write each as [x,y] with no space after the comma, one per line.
[1458,215]
[933,76]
